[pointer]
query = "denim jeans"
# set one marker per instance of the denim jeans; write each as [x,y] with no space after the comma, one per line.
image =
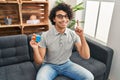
[69,69]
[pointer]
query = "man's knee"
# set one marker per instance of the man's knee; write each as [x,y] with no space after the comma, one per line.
[42,77]
[89,77]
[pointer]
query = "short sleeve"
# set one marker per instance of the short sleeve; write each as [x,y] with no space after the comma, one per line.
[77,38]
[43,41]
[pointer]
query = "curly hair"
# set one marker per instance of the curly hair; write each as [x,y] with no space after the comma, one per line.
[62,6]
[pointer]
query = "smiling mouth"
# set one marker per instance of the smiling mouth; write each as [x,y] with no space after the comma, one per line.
[64,23]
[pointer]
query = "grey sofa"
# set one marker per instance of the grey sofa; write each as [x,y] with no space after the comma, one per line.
[16,61]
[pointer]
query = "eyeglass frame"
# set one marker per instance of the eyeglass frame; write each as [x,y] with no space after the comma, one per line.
[60,16]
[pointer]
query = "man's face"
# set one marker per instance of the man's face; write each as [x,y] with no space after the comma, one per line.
[61,19]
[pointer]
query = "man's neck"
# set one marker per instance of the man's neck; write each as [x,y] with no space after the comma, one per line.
[60,30]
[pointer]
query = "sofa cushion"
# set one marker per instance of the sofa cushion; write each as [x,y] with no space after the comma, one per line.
[96,67]
[13,49]
[21,71]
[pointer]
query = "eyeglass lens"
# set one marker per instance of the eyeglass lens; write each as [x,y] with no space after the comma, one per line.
[60,16]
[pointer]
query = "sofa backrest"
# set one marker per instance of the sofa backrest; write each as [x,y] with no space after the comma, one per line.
[99,51]
[13,49]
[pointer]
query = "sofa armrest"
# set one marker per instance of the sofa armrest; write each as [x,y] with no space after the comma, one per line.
[102,53]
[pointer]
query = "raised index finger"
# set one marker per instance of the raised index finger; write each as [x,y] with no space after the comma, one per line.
[78,23]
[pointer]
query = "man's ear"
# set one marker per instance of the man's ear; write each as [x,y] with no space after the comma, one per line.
[54,19]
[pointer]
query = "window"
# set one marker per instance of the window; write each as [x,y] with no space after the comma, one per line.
[98,17]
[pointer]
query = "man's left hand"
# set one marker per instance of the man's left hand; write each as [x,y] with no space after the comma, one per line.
[78,29]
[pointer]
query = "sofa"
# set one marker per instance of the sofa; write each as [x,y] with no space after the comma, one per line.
[17,63]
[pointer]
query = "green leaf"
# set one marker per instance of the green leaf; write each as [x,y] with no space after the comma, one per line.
[78,7]
[72,24]
[59,1]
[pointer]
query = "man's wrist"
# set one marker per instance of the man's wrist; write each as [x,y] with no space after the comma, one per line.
[36,48]
[81,36]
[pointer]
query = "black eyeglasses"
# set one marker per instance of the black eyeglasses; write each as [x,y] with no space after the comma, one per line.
[60,16]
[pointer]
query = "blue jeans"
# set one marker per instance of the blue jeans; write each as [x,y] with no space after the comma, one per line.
[69,69]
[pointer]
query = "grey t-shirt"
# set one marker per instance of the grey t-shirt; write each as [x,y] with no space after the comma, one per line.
[59,46]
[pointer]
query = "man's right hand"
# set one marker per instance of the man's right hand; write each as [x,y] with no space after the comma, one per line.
[34,44]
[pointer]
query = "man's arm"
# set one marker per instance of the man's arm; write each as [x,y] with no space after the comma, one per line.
[39,52]
[82,46]
[39,55]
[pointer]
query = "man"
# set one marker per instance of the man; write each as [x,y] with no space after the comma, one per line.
[56,45]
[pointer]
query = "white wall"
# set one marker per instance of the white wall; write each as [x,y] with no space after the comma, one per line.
[51,4]
[114,42]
